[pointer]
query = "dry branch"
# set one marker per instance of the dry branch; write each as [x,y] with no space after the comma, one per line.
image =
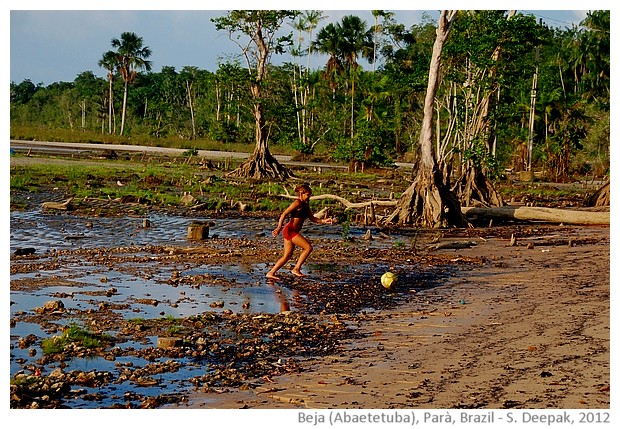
[348,204]
[530,214]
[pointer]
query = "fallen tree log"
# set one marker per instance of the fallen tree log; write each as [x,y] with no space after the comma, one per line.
[539,214]
[529,214]
[52,205]
[452,245]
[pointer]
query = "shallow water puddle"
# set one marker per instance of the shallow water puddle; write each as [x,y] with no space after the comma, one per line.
[140,286]
[231,287]
[64,231]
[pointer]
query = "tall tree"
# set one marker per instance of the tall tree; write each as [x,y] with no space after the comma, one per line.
[594,61]
[428,201]
[344,42]
[259,29]
[305,23]
[378,29]
[356,40]
[131,56]
[109,61]
[190,75]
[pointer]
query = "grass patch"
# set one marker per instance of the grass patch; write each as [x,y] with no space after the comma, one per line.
[76,335]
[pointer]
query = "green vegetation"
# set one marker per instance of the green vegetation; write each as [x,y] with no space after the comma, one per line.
[162,182]
[74,334]
[345,113]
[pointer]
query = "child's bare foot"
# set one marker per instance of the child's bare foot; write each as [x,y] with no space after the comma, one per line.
[298,273]
[272,276]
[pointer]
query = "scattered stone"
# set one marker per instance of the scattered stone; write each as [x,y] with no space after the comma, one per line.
[24,251]
[51,307]
[187,199]
[169,342]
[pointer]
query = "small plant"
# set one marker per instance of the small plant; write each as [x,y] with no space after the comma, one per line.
[414,241]
[174,330]
[190,152]
[345,221]
[74,334]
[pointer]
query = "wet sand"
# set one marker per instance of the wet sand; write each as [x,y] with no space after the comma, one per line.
[529,330]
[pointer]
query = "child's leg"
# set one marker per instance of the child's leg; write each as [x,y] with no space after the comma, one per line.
[288,252]
[301,241]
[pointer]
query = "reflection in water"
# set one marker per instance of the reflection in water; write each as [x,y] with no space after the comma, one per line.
[281,296]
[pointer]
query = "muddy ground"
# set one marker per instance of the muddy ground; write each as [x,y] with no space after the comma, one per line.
[506,326]
[498,323]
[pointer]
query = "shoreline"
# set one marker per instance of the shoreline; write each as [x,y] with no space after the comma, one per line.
[528,330]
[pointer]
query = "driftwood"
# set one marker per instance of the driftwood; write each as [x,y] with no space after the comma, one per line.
[452,245]
[528,214]
[200,250]
[348,204]
[52,205]
[539,214]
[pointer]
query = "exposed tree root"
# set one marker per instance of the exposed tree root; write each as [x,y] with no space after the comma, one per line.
[475,189]
[261,165]
[428,203]
[600,198]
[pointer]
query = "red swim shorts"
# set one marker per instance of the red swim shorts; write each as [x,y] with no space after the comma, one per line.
[288,232]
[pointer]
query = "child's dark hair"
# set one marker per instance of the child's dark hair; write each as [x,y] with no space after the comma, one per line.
[304,187]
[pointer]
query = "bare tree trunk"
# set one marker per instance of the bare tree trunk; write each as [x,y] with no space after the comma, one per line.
[110,108]
[83,107]
[124,108]
[191,108]
[219,102]
[428,201]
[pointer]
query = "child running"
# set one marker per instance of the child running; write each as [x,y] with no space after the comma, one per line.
[299,211]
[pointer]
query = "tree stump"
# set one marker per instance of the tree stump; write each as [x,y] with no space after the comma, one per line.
[198,230]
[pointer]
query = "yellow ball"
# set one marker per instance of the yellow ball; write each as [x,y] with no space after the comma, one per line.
[388,280]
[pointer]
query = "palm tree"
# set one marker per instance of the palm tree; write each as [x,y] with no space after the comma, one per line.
[109,62]
[328,42]
[131,56]
[356,39]
[305,23]
[311,19]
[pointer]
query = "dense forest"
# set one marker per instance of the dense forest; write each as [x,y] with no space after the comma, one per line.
[513,94]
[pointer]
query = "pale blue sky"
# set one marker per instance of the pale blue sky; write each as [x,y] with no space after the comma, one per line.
[49,46]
